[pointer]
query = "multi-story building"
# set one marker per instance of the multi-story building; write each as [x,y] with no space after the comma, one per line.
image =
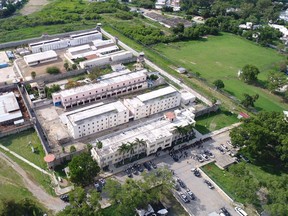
[105,88]
[148,138]
[95,118]
[153,102]
[57,43]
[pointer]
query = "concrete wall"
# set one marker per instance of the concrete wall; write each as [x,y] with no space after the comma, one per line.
[18,129]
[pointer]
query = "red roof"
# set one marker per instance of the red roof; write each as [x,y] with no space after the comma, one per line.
[170,115]
[49,158]
[244,115]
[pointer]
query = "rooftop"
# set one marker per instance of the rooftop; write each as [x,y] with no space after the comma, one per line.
[149,131]
[77,117]
[102,83]
[40,56]
[156,94]
[100,42]
[9,107]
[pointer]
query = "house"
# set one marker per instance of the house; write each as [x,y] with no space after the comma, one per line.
[9,109]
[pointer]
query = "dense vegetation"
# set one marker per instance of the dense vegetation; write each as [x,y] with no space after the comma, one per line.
[10,7]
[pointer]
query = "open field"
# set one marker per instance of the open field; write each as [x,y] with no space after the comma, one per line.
[215,121]
[221,57]
[33,6]
[20,144]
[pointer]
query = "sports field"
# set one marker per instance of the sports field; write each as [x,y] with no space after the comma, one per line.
[221,57]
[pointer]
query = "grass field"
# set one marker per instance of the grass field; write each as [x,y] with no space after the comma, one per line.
[207,123]
[220,57]
[11,185]
[20,144]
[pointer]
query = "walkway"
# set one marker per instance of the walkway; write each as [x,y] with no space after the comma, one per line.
[50,202]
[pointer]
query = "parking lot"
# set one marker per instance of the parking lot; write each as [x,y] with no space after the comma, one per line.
[207,200]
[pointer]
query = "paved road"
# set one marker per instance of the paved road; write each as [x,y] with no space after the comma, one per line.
[50,202]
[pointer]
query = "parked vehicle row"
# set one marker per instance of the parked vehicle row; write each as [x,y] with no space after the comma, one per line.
[136,168]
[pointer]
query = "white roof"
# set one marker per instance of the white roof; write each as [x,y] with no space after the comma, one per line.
[84,34]
[100,42]
[115,74]
[9,107]
[78,116]
[40,56]
[185,95]
[78,48]
[158,93]
[149,131]
[107,49]
[102,83]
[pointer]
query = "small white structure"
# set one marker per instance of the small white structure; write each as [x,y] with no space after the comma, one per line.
[187,97]
[39,58]
[153,102]
[9,109]
[181,70]
[248,26]
[95,118]
[99,44]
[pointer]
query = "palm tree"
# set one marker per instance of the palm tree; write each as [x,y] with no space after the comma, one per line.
[181,130]
[139,142]
[123,149]
[130,149]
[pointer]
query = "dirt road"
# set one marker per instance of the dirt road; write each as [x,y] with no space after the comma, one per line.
[50,202]
[33,6]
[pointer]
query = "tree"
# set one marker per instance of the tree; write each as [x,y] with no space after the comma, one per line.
[264,137]
[83,169]
[33,74]
[23,207]
[140,143]
[249,73]
[219,84]
[99,144]
[66,66]
[74,66]
[53,70]
[249,100]
[82,204]
[276,80]
[123,149]
[131,149]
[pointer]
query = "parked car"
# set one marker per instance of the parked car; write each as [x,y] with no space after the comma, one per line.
[134,171]
[64,197]
[140,168]
[240,211]
[210,186]
[209,154]
[177,187]
[102,181]
[196,172]
[225,147]
[205,157]
[181,183]
[190,194]
[153,165]
[129,173]
[220,149]
[184,197]
[175,158]
[199,158]
[98,187]
[224,211]
[147,166]
[244,158]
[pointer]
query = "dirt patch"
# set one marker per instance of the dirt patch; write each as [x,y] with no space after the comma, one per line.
[34,6]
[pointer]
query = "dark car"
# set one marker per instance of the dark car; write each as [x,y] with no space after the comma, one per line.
[175,158]
[64,197]
[210,186]
[196,172]
[140,168]
[177,187]
[153,165]
[134,171]
[129,173]
[147,166]
[181,183]
[225,212]
[244,158]
[184,197]
[190,194]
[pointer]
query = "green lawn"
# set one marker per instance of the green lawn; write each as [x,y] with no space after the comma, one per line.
[19,143]
[215,121]
[220,57]
[11,185]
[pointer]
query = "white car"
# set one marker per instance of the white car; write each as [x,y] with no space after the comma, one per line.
[240,211]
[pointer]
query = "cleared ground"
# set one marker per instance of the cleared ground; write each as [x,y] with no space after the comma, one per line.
[221,57]
[33,6]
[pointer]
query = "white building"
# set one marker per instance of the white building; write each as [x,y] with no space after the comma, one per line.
[156,135]
[9,109]
[39,58]
[107,87]
[84,38]
[95,118]
[73,40]
[187,97]
[99,44]
[153,102]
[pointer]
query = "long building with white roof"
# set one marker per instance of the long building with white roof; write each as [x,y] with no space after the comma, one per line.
[9,109]
[153,102]
[105,88]
[156,135]
[95,118]
[40,58]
